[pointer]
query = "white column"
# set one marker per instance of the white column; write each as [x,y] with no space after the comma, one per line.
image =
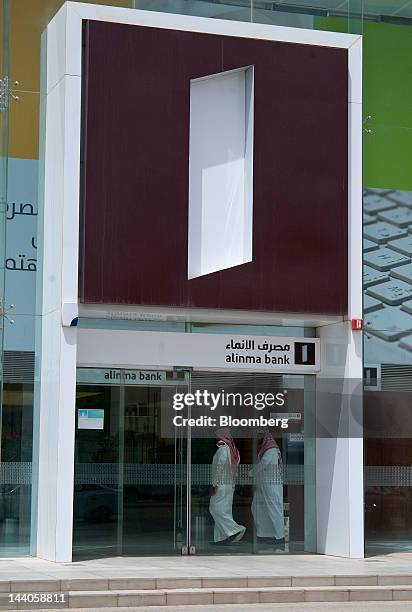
[339,446]
[339,456]
[56,345]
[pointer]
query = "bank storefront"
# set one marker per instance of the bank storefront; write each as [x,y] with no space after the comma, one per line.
[143,457]
[175,277]
[151,240]
[143,475]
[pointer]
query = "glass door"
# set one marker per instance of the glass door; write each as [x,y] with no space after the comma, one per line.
[154,472]
[266,503]
[130,464]
[97,505]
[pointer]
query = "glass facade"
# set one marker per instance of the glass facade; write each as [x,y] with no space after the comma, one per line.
[143,487]
[387,146]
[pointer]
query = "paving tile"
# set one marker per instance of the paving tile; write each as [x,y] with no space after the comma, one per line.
[269,581]
[151,598]
[132,584]
[356,580]
[34,586]
[85,584]
[224,582]
[179,583]
[402,594]
[282,596]
[327,595]
[234,596]
[370,594]
[182,598]
[394,580]
[313,581]
[92,600]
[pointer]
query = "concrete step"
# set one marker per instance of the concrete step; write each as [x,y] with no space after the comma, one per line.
[205,596]
[206,582]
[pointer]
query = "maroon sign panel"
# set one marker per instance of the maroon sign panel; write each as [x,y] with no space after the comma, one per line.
[135,155]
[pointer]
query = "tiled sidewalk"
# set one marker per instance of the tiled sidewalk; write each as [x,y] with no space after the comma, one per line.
[223,566]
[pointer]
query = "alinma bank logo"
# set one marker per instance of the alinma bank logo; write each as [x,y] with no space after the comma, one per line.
[305,353]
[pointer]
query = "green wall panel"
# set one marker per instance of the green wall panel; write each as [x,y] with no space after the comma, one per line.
[387,98]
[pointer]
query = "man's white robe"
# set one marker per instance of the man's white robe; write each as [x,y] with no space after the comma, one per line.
[221,503]
[267,505]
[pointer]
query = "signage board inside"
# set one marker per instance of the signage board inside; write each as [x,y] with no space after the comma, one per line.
[90,418]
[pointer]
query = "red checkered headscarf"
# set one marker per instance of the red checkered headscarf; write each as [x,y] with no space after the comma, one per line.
[267,443]
[224,436]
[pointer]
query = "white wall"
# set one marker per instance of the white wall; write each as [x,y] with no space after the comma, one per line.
[220,171]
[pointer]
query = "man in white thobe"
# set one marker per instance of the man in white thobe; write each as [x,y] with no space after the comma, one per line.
[224,467]
[267,505]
